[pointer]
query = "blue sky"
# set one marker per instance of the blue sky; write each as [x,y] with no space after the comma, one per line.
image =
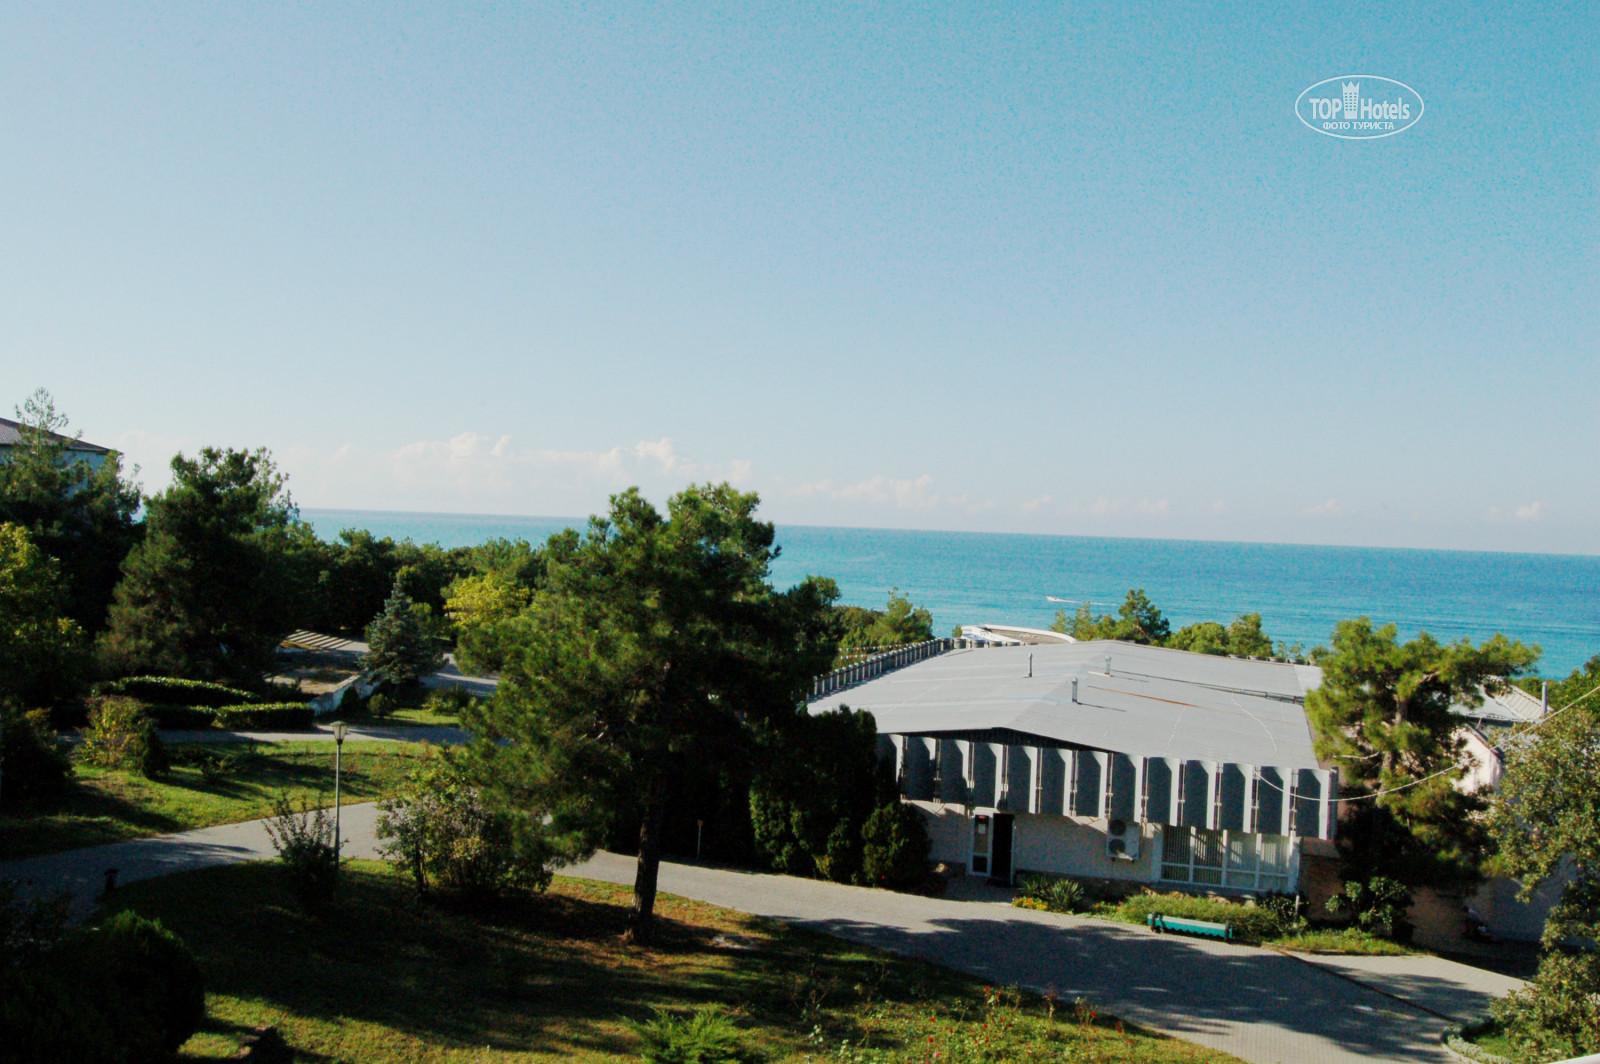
[1060,268]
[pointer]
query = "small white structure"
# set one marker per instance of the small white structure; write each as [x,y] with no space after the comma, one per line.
[1108,760]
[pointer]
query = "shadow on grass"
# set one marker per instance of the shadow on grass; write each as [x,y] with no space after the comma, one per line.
[550,974]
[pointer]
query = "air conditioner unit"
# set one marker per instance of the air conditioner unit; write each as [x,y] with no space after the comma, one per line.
[1122,840]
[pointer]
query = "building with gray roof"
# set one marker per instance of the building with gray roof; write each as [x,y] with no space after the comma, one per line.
[1106,760]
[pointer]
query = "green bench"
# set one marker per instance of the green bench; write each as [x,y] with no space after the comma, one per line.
[1159,924]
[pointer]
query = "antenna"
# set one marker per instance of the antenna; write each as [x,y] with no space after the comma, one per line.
[1030,666]
[1108,664]
[1544,698]
[1074,690]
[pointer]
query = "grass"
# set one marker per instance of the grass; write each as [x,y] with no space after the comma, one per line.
[382,979]
[1491,1036]
[1348,940]
[105,805]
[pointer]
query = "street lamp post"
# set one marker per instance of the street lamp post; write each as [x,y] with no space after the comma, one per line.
[339,731]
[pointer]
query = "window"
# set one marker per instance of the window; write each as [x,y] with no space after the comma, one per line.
[1233,859]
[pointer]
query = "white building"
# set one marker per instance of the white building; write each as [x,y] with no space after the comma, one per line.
[1107,760]
[76,450]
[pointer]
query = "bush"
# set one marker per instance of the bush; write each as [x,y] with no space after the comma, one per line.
[172,691]
[895,847]
[36,770]
[121,735]
[289,716]
[146,978]
[304,841]
[125,992]
[448,701]
[443,834]
[1058,894]
[1557,1016]
[1252,923]
[1379,906]
[379,706]
[705,1036]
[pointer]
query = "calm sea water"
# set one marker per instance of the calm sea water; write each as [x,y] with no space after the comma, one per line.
[1300,591]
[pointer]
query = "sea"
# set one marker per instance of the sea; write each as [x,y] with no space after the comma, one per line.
[1301,591]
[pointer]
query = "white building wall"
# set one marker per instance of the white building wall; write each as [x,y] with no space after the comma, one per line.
[1076,846]
[949,831]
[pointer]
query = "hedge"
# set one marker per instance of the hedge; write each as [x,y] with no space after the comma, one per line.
[171,691]
[287,715]
[294,716]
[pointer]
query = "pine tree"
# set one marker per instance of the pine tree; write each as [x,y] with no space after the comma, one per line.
[1383,716]
[401,649]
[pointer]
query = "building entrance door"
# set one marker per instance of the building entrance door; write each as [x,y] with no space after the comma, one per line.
[1000,850]
[980,845]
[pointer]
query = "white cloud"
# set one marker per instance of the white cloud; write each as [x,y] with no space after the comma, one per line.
[1532,511]
[1323,509]
[1032,505]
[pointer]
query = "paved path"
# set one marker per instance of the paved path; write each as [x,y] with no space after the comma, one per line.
[81,873]
[442,734]
[1263,1006]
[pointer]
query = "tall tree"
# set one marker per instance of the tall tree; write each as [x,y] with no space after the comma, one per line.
[78,513]
[41,650]
[1382,715]
[401,647]
[1546,818]
[654,643]
[218,579]
[1137,621]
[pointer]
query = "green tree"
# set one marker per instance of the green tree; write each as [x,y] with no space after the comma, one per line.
[820,783]
[41,650]
[1382,715]
[401,647]
[218,579]
[656,642]
[1241,639]
[900,623]
[77,513]
[1137,621]
[1545,816]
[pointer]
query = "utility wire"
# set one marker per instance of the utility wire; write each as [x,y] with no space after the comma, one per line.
[1517,732]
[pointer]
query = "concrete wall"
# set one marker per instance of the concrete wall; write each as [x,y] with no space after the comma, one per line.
[1077,846]
[1042,843]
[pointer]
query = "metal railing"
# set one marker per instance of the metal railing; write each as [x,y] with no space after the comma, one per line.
[871,668]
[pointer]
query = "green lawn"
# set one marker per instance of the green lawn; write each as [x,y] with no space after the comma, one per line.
[108,806]
[382,979]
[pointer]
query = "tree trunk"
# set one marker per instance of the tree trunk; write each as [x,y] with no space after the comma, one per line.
[641,919]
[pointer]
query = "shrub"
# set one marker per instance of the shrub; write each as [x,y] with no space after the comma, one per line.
[125,992]
[379,706]
[295,716]
[121,735]
[179,718]
[173,691]
[1379,906]
[442,833]
[304,841]
[895,847]
[146,978]
[705,1036]
[1253,923]
[35,768]
[448,701]
[1058,894]
[1557,1016]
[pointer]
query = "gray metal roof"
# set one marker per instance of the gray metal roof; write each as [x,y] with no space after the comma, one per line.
[1511,706]
[1154,703]
[11,435]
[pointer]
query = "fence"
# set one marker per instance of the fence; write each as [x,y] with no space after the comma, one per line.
[871,668]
